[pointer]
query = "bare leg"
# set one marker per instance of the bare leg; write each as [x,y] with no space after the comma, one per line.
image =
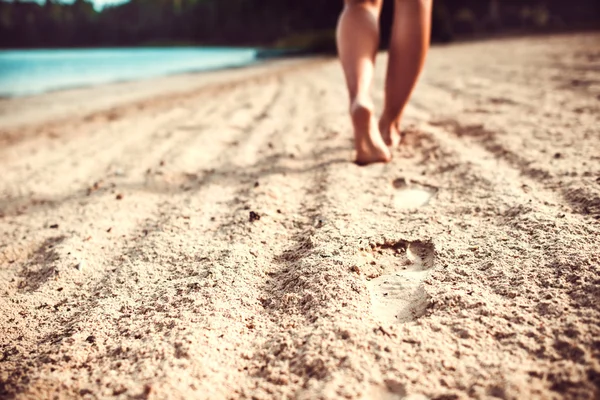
[408,48]
[358,40]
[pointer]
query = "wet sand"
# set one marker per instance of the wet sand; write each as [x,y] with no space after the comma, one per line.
[206,236]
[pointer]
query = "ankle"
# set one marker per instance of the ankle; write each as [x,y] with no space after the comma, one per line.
[361,103]
[387,121]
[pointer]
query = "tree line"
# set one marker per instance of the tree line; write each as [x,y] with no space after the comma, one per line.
[292,23]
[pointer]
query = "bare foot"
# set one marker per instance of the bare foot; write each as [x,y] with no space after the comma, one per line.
[370,147]
[390,131]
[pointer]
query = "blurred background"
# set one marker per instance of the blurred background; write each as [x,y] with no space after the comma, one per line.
[54,45]
[298,24]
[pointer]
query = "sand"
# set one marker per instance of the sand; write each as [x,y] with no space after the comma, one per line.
[205,236]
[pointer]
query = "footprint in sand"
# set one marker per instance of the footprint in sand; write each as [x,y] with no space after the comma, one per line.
[398,295]
[412,194]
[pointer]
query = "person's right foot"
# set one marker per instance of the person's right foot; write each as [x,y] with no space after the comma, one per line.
[370,147]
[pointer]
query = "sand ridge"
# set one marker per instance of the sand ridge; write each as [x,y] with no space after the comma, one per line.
[220,244]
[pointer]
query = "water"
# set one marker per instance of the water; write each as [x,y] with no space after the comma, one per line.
[26,72]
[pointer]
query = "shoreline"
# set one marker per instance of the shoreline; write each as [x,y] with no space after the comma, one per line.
[132,80]
[39,71]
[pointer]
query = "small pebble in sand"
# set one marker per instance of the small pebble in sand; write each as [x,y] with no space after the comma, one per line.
[400,183]
[254,216]
[119,196]
[94,187]
[54,226]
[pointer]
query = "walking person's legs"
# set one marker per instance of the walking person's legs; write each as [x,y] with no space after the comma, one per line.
[408,47]
[358,41]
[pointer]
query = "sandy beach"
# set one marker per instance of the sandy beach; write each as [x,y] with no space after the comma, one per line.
[205,236]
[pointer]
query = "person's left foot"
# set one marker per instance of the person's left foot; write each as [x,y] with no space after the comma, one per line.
[390,131]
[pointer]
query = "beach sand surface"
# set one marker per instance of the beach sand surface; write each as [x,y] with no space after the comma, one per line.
[205,236]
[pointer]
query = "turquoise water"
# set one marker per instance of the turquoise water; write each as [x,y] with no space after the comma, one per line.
[26,72]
